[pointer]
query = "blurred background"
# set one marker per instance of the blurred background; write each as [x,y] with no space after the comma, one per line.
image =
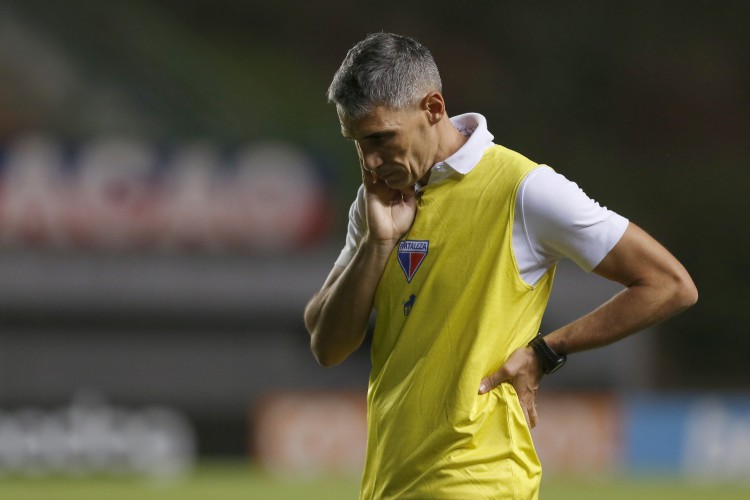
[174,187]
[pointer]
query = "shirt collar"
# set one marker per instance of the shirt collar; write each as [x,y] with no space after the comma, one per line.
[466,158]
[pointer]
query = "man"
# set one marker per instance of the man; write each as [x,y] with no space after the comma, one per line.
[453,241]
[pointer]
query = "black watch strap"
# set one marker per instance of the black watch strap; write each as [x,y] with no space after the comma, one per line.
[551,361]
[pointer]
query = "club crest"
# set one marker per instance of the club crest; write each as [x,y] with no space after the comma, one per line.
[411,254]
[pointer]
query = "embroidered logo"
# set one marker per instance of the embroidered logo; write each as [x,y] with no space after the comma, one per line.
[409,304]
[411,254]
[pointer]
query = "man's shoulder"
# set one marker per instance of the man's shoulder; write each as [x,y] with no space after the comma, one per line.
[505,154]
[507,161]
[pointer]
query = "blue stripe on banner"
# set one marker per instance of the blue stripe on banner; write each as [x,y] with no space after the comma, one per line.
[699,436]
[654,430]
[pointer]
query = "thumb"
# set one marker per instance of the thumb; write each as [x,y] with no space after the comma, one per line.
[490,382]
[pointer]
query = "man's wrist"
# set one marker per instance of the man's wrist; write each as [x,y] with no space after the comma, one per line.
[550,360]
[382,247]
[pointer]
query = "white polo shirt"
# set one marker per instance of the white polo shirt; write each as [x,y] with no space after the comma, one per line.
[554,218]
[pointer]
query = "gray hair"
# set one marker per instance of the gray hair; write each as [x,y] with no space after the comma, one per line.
[383,69]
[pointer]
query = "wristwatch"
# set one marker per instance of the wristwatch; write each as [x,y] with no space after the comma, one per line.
[551,361]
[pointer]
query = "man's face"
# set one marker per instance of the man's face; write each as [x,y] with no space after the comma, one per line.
[398,146]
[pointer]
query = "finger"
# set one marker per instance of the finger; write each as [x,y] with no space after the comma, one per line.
[492,381]
[526,415]
[368,177]
[408,194]
[532,418]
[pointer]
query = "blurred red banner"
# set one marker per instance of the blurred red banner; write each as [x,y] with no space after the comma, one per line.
[123,194]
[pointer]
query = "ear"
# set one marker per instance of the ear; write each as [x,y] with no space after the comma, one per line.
[434,104]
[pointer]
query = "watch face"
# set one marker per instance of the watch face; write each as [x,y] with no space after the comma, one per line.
[559,364]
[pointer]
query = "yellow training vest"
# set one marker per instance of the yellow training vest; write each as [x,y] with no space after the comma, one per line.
[450,308]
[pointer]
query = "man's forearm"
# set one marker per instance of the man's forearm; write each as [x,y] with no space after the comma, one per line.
[635,308]
[338,315]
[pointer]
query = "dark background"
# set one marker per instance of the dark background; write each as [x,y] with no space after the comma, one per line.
[643,104]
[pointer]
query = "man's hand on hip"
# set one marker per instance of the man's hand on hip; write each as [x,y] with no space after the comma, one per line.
[523,371]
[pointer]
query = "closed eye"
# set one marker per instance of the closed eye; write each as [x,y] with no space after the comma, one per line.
[380,137]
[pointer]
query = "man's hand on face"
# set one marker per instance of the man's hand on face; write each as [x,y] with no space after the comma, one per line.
[390,212]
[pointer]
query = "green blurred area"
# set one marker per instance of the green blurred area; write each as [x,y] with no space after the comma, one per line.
[235,480]
[644,104]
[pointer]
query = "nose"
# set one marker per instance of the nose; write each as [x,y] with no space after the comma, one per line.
[371,158]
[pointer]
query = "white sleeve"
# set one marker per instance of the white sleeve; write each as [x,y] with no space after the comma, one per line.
[355,230]
[555,219]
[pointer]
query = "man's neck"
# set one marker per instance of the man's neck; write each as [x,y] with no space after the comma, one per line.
[451,140]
